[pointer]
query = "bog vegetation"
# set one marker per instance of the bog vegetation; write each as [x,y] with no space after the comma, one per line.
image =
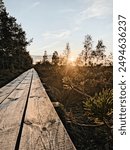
[83,88]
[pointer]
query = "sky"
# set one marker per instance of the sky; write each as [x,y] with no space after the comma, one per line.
[53,23]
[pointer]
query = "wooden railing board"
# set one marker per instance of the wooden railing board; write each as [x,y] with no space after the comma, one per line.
[11,112]
[28,120]
[43,128]
[6,90]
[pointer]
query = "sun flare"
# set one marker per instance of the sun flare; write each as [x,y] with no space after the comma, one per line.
[71,59]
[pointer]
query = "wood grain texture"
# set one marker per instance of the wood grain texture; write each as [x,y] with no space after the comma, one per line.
[11,112]
[39,124]
[8,89]
[43,129]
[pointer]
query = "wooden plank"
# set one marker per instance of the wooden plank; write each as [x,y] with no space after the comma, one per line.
[43,129]
[8,89]
[11,113]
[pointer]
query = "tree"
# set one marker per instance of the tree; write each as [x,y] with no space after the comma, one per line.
[87,48]
[66,53]
[2,7]
[92,58]
[80,59]
[45,57]
[100,49]
[4,35]
[55,58]
[110,59]
[13,42]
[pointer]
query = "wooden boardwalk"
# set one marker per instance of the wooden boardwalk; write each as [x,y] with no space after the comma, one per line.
[28,120]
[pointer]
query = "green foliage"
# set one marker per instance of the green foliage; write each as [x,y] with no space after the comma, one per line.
[100,107]
[99,111]
[13,43]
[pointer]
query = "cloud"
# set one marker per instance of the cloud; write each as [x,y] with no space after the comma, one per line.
[96,9]
[50,45]
[29,8]
[77,28]
[57,34]
[35,4]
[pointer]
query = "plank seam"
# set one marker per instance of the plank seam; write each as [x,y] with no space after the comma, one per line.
[23,117]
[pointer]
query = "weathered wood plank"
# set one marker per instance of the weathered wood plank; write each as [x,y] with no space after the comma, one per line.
[43,129]
[8,89]
[11,113]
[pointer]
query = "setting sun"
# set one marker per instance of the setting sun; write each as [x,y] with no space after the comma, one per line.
[71,59]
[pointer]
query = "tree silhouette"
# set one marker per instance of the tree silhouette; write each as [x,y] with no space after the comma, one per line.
[45,57]
[100,49]
[66,53]
[13,43]
[87,48]
[2,7]
[55,58]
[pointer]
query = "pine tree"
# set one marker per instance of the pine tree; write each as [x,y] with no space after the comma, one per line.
[55,58]
[87,48]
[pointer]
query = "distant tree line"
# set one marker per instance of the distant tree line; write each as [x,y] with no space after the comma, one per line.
[13,43]
[88,56]
[94,57]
